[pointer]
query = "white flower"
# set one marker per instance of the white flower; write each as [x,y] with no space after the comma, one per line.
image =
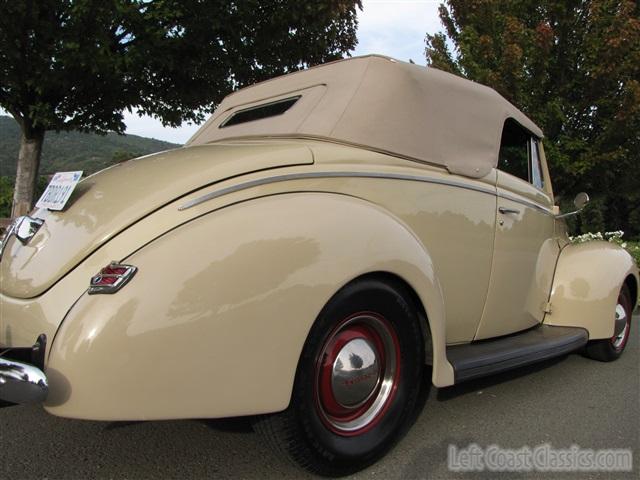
[613,237]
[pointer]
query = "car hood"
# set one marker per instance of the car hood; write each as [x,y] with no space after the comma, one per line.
[108,202]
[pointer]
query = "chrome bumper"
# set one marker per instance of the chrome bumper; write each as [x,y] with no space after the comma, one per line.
[21,382]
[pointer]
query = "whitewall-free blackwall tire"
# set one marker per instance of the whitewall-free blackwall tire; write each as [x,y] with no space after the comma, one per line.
[357,381]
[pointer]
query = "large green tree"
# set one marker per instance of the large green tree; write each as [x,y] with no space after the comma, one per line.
[78,64]
[574,67]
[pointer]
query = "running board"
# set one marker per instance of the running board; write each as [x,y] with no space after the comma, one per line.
[486,357]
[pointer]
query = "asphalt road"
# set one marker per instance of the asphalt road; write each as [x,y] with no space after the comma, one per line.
[571,400]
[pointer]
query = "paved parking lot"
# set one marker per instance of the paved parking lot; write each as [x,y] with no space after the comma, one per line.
[571,400]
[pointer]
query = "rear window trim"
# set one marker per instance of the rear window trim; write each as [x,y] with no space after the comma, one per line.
[290,100]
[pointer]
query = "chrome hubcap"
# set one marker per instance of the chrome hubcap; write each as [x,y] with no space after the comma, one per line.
[356,372]
[621,316]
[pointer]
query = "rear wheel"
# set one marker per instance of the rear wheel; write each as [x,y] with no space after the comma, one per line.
[357,381]
[609,349]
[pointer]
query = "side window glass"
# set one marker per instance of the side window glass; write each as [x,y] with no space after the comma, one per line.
[514,150]
[536,166]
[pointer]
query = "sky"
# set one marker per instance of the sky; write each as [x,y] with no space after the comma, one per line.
[396,28]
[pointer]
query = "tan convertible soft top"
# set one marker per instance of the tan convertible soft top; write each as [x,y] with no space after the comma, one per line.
[379,103]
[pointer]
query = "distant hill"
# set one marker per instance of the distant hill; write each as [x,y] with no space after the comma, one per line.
[74,150]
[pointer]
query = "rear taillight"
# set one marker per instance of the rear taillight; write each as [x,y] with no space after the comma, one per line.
[111,278]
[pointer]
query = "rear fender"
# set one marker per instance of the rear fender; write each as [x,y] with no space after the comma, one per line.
[214,321]
[586,285]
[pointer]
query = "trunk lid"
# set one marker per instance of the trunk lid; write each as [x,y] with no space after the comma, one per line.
[106,203]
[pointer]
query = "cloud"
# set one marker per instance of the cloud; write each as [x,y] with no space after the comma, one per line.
[397,28]
[149,127]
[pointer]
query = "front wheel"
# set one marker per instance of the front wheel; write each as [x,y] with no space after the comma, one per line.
[357,381]
[609,349]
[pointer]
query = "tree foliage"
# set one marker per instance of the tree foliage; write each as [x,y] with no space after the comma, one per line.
[573,66]
[78,64]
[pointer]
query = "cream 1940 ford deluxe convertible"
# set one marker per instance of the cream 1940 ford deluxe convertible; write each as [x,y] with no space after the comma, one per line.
[322,240]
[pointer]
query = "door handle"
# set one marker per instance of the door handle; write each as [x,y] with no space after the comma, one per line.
[505,210]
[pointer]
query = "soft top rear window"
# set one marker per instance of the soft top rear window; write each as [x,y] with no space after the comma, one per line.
[259,112]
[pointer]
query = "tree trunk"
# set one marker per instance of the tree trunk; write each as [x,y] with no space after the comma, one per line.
[31,141]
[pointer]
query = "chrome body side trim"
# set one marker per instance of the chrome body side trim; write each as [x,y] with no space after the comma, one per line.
[310,175]
[22,383]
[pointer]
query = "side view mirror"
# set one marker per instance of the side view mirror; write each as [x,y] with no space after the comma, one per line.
[580,202]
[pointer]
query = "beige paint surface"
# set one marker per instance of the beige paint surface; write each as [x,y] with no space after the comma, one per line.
[239,244]
[108,202]
[227,297]
[221,336]
[586,286]
[524,259]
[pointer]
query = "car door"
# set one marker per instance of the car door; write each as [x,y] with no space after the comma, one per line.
[525,250]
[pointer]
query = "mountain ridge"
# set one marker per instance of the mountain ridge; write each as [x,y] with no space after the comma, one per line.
[65,151]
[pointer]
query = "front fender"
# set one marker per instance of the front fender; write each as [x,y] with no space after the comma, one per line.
[586,285]
[213,323]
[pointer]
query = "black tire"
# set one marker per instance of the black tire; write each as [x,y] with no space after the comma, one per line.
[610,349]
[311,437]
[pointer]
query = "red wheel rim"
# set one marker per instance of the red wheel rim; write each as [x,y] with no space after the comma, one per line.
[357,373]
[622,313]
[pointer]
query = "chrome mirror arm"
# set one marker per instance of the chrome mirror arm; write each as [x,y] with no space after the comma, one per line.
[568,214]
[580,202]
